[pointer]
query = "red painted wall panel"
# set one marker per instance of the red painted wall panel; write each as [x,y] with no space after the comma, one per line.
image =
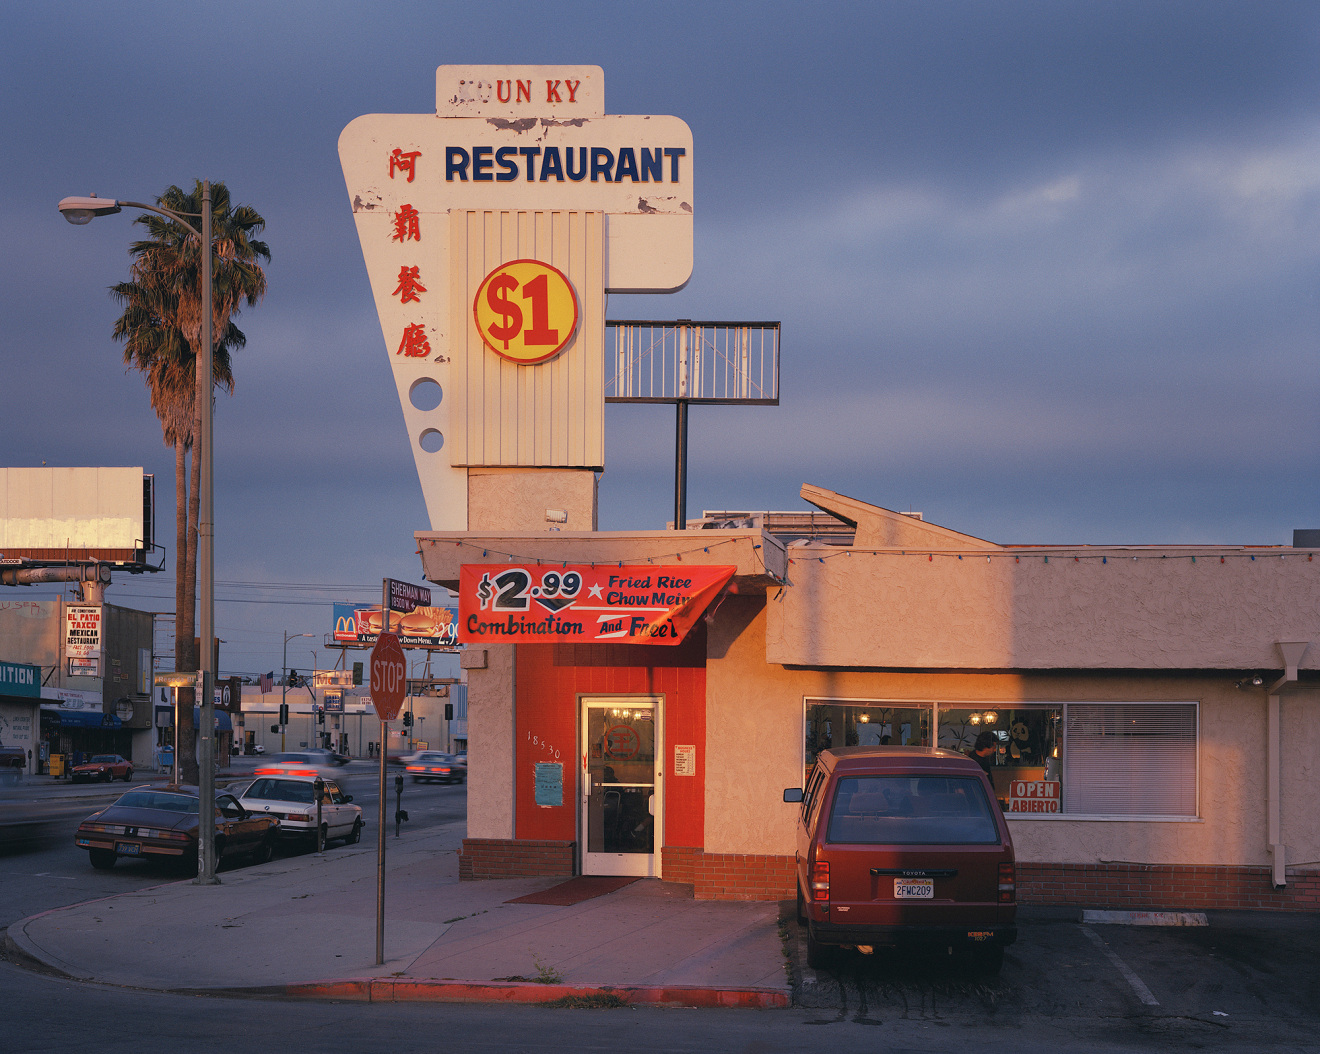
[549,680]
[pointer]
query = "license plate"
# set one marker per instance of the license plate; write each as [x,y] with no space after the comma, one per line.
[914,888]
[128,848]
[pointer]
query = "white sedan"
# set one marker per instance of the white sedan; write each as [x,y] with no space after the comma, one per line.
[292,801]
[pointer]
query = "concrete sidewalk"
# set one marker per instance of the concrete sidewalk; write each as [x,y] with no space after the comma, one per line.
[306,926]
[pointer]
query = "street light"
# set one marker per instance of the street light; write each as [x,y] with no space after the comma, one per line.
[284,690]
[82,210]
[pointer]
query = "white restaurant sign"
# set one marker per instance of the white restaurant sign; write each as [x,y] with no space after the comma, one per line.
[82,632]
[517,167]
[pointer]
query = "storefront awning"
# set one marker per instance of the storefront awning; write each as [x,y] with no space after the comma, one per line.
[758,559]
[82,719]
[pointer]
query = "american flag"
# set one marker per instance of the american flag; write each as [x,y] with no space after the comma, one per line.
[267,682]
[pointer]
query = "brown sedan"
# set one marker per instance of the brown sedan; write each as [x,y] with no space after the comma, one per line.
[161,822]
[105,767]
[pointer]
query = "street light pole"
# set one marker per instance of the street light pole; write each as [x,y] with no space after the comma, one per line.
[284,688]
[80,211]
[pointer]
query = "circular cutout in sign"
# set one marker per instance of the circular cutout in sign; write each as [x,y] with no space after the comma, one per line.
[526,311]
[621,743]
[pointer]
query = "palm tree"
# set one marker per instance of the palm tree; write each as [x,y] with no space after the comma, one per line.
[161,330]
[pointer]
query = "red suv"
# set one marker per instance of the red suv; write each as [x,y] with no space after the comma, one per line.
[903,845]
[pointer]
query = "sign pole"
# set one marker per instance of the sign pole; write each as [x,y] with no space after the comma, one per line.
[389,672]
[381,751]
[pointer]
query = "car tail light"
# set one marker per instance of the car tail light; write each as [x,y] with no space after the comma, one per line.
[1007,883]
[820,881]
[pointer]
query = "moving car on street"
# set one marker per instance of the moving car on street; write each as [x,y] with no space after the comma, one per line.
[162,822]
[903,846]
[428,765]
[297,763]
[292,801]
[104,767]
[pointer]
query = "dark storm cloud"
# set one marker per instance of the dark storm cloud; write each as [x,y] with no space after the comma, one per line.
[1047,271]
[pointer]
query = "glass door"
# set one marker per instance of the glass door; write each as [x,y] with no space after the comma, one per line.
[619,785]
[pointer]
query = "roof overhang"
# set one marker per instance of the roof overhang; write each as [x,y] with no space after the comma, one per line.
[759,559]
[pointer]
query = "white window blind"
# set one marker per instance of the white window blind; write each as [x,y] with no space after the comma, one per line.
[1130,759]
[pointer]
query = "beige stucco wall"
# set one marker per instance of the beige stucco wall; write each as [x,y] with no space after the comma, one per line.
[516,499]
[1299,757]
[859,608]
[754,749]
[490,744]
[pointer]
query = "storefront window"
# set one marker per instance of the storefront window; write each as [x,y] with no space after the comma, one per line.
[1026,757]
[1083,759]
[862,723]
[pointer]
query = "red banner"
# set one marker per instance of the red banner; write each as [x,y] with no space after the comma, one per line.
[577,603]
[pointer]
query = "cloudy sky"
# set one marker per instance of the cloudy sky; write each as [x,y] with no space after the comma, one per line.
[1047,271]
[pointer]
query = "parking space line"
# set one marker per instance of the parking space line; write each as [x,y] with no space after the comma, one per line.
[1129,975]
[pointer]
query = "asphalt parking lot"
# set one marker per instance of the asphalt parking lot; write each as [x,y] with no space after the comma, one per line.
[1245,979]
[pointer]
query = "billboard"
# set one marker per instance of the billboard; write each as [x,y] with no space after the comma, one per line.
[75,513]
[423,627]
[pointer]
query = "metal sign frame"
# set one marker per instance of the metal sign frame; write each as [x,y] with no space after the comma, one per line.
[685,362]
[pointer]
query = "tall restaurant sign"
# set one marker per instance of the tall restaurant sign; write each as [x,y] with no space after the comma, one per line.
[492,230]
[580,603]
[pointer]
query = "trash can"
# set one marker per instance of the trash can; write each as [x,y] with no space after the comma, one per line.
[57,764]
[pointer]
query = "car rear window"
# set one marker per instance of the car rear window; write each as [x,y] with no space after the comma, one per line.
[911,810]
[149,799]
[281,790]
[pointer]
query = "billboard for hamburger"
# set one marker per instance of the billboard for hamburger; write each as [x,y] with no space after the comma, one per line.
[423,627]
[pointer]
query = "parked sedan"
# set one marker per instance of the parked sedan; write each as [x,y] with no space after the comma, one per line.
[162,822]
[105,767]
[430,765]
[292,801]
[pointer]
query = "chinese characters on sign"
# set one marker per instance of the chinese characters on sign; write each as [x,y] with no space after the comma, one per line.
[407,227]
[501,603]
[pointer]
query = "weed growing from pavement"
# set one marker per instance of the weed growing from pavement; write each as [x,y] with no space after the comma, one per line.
[593,1001]
[545,974]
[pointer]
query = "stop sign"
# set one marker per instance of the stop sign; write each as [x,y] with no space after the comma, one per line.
[387,677]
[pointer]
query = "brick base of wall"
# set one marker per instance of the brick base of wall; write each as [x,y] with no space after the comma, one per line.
[1165,887]
[514,858]
[735,876]
[678,863]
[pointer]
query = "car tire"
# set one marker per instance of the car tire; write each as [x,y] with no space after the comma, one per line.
[102,859]
[128,776]
[107,776]
[417,779]
[819,956]
[264,851]
[355,835]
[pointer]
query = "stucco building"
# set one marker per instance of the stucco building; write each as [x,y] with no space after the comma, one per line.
[1154,705]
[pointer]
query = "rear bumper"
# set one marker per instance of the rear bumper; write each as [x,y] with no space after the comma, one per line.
[116,846]
[901,936]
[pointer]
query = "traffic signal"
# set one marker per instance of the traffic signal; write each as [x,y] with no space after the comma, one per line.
[320,717]
[284,713]
[449,711]
[407,717]
[275,728]
[357,674]
[294,680]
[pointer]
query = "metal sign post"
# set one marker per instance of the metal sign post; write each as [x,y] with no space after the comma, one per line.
[388,673]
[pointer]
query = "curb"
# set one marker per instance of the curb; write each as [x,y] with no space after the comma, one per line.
[390,990]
